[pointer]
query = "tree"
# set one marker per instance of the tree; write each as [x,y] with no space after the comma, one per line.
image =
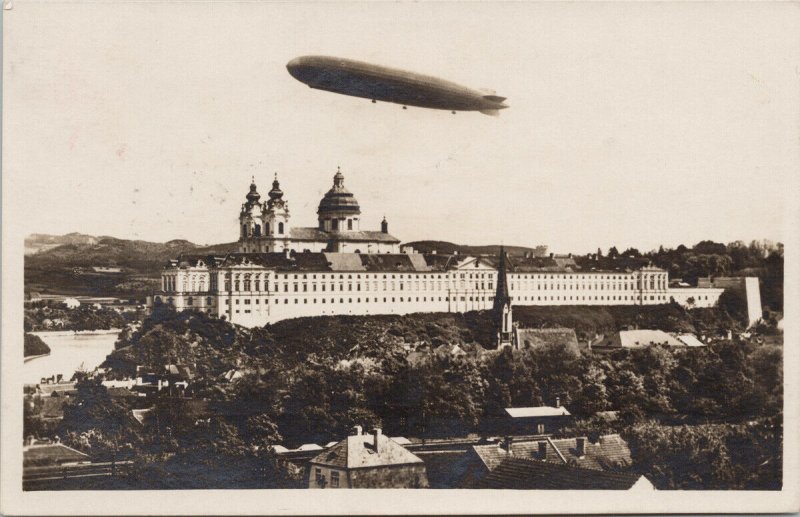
[98,424]
[734,303]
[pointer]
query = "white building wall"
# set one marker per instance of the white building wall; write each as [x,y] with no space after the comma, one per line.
[699,296]
[753,295]
[252,295]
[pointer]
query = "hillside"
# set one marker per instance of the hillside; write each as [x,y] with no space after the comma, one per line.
[64,264]
[463,249]
[37,242]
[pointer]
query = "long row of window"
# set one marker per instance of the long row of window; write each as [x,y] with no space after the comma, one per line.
[259,282]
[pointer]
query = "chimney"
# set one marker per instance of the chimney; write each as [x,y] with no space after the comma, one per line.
[558,401]
[376,434]
[287,253]
[508,441]
[580,447]
[542,450]
[357,430]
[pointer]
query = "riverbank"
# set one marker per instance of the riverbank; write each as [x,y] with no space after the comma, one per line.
[63,333]
[69,352]
[32,357]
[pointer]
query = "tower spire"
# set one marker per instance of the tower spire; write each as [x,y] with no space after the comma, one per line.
[502,304]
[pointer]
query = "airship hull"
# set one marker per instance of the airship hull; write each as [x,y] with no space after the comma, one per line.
[358,79]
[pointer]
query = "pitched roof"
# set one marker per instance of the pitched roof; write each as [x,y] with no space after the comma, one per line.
[51,454]
[610,452]
[317,235]
[344,262]
[690,340]
[526,412]
[393,262]
[519,473]
[641,338]
[52,407]
[532,338]
[359,452]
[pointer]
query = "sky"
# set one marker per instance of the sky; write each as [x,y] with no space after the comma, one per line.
[629,124]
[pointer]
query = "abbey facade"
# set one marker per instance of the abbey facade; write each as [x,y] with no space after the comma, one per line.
[281,272]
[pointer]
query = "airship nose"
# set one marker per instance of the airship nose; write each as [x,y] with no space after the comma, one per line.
[293,65]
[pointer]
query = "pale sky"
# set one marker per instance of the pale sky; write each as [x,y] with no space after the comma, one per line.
[629,124]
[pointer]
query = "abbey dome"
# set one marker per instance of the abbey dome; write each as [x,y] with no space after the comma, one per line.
[265,227]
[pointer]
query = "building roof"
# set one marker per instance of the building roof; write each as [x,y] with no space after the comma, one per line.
[338,199]
[398,262]
[538,411]
[309,447]
[610,452]
[689,340]
[533,338]
[140,414]
[359,452]
[51,454]
[519,473]
[310,234]
[52,407]
[393,262]
[641,338]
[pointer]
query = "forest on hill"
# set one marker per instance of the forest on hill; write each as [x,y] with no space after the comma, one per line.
[706,258]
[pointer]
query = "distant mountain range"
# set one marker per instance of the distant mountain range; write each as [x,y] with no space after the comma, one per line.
[100,265]
[79,250]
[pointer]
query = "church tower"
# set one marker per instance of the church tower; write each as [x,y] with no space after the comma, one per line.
[276,219]
[250,224]
[503,315]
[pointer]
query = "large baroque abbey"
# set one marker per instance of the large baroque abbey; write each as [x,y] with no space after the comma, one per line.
[281,271]
[264,227]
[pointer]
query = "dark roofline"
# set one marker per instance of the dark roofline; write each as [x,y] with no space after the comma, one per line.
[364,467]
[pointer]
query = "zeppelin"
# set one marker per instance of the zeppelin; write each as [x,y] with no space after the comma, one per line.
[379,83]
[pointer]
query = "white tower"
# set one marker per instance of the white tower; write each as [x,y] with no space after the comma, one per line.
[250,224]
[275,220]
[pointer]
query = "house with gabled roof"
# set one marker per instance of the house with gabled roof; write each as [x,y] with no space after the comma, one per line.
[367,461]
[528,474]
[609,453]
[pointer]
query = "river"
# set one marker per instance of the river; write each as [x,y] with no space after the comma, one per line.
[69,351]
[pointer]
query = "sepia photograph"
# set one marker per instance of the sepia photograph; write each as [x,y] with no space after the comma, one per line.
[468,255]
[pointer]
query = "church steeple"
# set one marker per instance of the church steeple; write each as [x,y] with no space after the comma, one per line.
[276,194]
[253,196]
[504,318]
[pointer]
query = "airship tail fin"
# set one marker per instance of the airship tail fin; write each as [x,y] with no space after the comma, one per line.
[494,98]
[492,113]
[487,91]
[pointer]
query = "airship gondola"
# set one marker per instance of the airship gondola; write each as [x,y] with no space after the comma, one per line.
[380,83]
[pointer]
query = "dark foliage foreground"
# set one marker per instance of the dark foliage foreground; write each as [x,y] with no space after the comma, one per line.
[311,379]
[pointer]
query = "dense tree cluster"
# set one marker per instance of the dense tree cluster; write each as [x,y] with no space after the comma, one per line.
[706,258]
[33,345]
[709,456]
[55,316]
